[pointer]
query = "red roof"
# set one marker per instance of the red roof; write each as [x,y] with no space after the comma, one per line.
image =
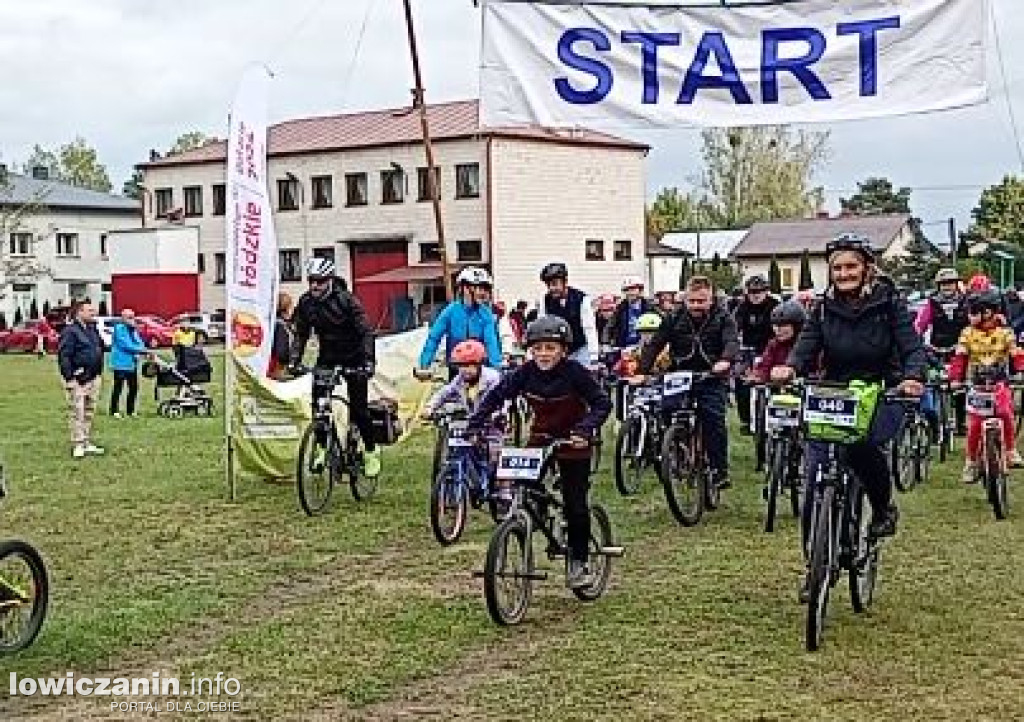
[448,121]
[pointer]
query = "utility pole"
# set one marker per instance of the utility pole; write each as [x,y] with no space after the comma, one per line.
[420,104]
[952,240]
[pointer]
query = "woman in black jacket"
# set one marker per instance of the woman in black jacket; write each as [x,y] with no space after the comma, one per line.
[861,331]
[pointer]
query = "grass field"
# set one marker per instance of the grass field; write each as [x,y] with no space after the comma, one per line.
[360,615]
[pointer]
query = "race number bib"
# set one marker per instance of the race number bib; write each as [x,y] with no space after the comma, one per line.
[520,464]
[677,382]
[784,416]
[981,403]
[837,410]
[457,434]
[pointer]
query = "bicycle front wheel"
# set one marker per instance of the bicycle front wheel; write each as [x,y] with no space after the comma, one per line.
[449,507]
[776,475]
[629,465]
[317,470]
[600,563]
[24,595]
[508,570]
[995,477]
[922,452]
[682,477]
[362,486]
[902,459]
[819,583]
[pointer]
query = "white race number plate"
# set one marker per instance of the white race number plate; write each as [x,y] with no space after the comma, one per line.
[520,464]
[832,410]
[676,383]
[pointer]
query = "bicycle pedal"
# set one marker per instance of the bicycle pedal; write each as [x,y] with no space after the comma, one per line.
[614,551]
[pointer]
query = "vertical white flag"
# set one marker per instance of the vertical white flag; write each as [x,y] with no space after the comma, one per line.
[251,244]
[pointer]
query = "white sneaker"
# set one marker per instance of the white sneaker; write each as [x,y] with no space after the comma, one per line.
[93,450]
[78,452]
[969,474]
[117,415]
[1016,461]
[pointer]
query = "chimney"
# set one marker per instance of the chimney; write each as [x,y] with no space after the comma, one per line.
[40,172]
[153,155]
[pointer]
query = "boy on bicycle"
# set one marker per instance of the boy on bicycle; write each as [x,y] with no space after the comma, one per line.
[567,403]
[987,343]
[629,363]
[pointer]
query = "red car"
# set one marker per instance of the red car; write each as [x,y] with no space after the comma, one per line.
[153,333]
[25,337]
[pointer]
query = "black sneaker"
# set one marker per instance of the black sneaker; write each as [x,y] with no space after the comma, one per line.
[884,524]
[723,481]
[577,575]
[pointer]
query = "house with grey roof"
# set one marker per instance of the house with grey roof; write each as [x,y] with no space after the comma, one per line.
[665,255]
[55,237]
[786,241]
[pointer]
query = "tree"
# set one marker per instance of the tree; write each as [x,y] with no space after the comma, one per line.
[3,321]
[774,277]
[875,196]
[963,247]
[33,309]
[132,188]
[75,163]
[46,308]
[671,211]
[726,277]
[684,272]
[716,262]
[188,141]
[916,267]
[761,173]
[18,317]
[42,158]
[999,214]
[806,278]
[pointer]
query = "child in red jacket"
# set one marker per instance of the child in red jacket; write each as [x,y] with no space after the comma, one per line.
[787,321]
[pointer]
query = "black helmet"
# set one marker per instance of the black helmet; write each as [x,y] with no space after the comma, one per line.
[756,283]
[850,242]
[791,313]
[549,328]
[984,301]
[553,271]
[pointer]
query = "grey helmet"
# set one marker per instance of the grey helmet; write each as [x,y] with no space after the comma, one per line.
[549,328]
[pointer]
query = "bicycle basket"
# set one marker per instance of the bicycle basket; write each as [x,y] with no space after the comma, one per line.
[783,411]
[981,403]
[840,415]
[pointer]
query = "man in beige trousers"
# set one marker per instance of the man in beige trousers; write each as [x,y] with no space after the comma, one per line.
[80,356]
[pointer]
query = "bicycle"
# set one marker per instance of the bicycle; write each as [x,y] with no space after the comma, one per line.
[784,452]
[24,591]
[463,479]
[685,475]
[834,413]
[638,440]
[992,468]
[323,459]
[910,455]
[510,566]
[519,414]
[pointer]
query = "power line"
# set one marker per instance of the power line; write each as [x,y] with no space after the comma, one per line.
[347,85]
[924,189]
[1009,101]
[294,32]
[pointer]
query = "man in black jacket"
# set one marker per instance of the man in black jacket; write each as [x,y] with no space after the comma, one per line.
[754,323]
[345,339]
[701,336]
[621,331]
[80,358]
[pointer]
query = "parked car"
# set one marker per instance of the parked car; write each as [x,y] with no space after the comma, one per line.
[25,337]
[153,334]
[207,326]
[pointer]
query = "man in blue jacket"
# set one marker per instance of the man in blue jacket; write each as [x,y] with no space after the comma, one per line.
[463,319]
[80,358]
[125,348]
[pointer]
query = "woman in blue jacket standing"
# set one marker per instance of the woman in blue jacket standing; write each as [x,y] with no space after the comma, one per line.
[464,319]
[125,348]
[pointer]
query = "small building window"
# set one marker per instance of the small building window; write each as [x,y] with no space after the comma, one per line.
[595,249]
[323,191]
[356,192]
[193,201]
[103,245]
[423,181]
[787,277]
[201,263]
[467,180]
[288,194]
[469,251]
[430,252]
[164,200]
[392,186]
[20,244]
[324,252]
[220,195]
[67,245]
[219,269]
[291,265]
[623,250]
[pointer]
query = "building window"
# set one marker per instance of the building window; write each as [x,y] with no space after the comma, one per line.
[291,265]
[595,249]
[356,193]
[103,245]
[220,195]
[392,186]
[288,194]
[67,245]
[787,277]
[219,269]
[323,191]
[201,263]
[467,180]
[469,251]
[430,252]
[193,201]
[623,250]
[164,199]
[423,181]
[324,252]
[20,244]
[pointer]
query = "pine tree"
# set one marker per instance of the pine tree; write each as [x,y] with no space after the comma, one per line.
[46,308]
[18,318]
[774,277]
[806,278]
[3,321]
[33,309]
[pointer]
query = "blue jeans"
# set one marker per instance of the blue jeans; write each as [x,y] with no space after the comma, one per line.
[866,458]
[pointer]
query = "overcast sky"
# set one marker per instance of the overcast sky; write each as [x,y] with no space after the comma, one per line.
[130,75]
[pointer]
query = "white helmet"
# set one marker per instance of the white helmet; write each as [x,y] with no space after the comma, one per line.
[632,282]
[474,276]
[319,268]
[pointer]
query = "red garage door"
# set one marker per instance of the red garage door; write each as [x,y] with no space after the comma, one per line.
[377,298]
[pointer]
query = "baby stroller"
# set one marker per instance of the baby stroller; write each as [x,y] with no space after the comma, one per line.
[190,369]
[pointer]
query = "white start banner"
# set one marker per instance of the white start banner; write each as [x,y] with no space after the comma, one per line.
[251,245]
[565,63]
